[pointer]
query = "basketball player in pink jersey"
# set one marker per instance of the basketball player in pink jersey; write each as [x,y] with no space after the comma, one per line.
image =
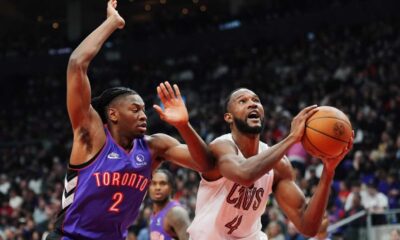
[233,196]
[112,159]
[169,219]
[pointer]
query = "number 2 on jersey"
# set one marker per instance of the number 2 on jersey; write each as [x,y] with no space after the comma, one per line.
[117,198]
[234,224]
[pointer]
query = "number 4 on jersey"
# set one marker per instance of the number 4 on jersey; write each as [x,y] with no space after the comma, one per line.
[234,224]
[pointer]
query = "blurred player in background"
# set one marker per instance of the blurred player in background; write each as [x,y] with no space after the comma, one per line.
[169,220]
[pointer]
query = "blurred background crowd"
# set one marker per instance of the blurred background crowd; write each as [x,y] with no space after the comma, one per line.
[350,61]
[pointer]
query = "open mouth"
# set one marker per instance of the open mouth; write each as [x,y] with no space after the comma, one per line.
[254,115]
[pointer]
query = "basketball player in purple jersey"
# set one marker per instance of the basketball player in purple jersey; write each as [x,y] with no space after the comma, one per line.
[169,220]
[232,197]
[112,159]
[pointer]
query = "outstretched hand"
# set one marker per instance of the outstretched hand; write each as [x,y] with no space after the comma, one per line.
[113,13]
[331,163]
[175,112]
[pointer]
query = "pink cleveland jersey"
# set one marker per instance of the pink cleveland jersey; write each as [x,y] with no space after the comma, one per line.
[227,210]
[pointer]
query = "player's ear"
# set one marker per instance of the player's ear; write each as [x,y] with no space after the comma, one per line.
[228,118]
[112,114]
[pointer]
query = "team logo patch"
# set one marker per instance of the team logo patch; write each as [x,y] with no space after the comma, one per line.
[113,155]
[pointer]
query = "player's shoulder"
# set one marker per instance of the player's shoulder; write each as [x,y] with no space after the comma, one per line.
[155,137]
[223,142]
[158,139]
[177,212]
[177,209]
[226,138]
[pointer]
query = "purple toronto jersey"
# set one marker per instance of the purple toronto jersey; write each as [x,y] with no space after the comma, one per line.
[102,197]
[156,228]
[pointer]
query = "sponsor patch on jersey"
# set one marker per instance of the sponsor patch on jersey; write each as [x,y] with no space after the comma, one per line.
[140,160]
[113,155]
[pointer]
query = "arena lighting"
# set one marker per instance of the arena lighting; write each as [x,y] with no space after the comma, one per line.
[310,36]
[230,25]
[203,8]
[147,7]
[55,25]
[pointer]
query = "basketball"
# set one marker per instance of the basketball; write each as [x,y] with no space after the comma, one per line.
[327,133]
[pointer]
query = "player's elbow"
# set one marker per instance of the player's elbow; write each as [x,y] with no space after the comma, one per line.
[309,231]
[79,60]
[245,179]
[207,164]
[76,62]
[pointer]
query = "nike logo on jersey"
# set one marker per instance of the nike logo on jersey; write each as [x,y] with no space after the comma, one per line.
[113,155]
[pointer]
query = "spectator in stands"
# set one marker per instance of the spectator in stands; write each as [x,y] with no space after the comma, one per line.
[4,184]
[298,157]
[376,203]
[275,215]
[353,228]
[398,148]
[355,189]
[274,231]
[390,186]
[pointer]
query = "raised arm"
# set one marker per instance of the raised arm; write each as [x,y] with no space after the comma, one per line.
[175,113]
[246,171]
[78,87]
[86,123]
[307,217]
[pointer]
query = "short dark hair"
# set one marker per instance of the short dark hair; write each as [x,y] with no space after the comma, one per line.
[228,99]
[171,180]
[101,102]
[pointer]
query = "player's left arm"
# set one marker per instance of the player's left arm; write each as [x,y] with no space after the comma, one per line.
[307,217]
[179,221]
[195,154]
